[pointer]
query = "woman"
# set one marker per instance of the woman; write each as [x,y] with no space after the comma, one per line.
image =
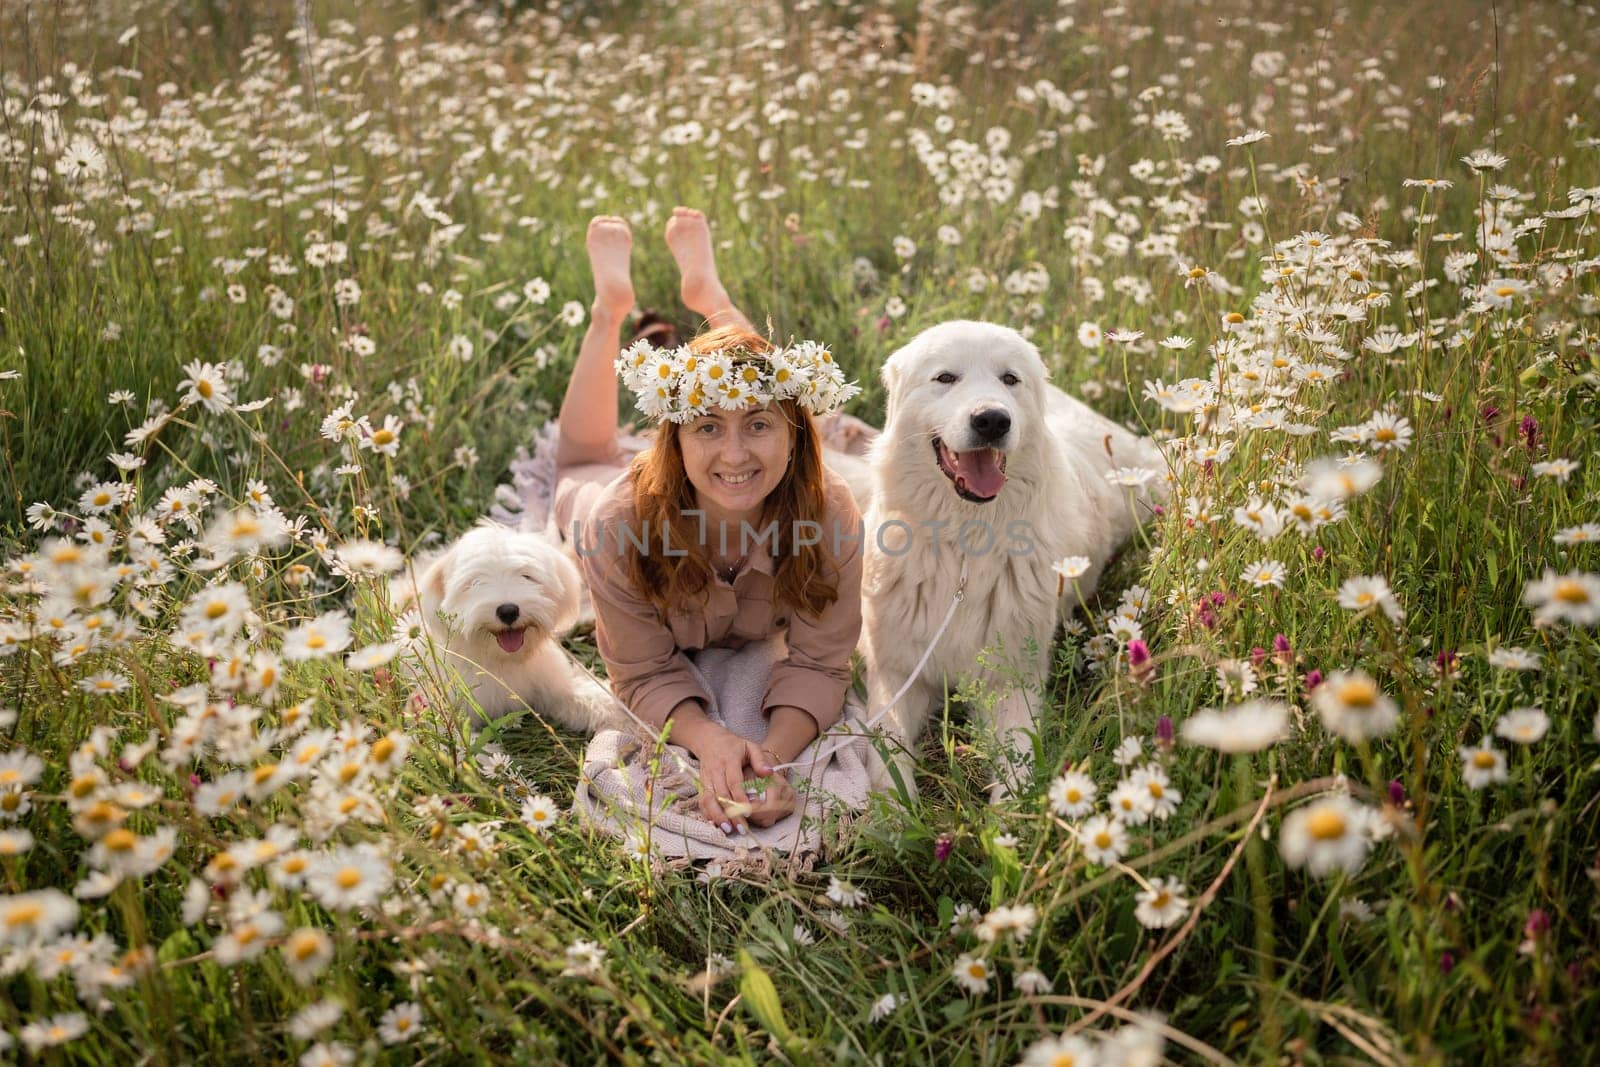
[734,489]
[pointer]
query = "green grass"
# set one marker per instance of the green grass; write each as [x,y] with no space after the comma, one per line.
[519,128]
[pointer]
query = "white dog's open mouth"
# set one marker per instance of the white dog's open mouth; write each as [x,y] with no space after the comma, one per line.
[511,640]
[977,473]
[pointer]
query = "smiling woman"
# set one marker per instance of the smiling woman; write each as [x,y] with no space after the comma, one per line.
[697,537]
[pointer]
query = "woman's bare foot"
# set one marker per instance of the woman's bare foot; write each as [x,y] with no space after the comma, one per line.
[689,238]
[610,244]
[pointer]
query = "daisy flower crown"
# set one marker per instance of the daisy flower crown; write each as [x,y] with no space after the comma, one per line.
[677,385]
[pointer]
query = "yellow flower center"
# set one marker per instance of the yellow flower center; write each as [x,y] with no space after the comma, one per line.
[347,878]
[1102,839]
[1570,592]
[1358,693]
[216,609]
[304,946]
[1505,290]
[1326,825]
[1385,435]
[24,914]
[316,640]
[263,774]
[383,750]
[1483,760]
[121,840]
[383,437]
[1074,796]
[204,388]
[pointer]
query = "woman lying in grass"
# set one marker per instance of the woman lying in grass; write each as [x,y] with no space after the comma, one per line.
[691,542]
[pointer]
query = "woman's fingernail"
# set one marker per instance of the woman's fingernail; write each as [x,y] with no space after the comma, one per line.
[743,829]
[751,794]
[763,794]
[727,827]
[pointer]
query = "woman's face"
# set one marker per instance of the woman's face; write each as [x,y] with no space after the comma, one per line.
[735,458]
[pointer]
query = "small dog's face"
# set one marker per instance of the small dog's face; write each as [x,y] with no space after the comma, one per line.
[973,391]
[502,588]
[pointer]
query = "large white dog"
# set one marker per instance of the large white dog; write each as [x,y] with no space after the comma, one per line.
[983,460]
[496,604]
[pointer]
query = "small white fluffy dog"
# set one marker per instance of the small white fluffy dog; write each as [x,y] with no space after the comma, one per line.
[496,603]
[976,438]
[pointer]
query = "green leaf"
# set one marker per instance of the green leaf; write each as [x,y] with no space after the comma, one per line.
[761,997]
[176,947]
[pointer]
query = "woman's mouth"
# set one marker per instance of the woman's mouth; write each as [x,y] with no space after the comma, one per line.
[736,480]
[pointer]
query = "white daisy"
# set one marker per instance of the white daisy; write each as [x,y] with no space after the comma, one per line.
[1327,835]
[1353,707]
[1162,904]
[1104,839]
[1524,726]
[1483,765]
[1072,795]
[972,974]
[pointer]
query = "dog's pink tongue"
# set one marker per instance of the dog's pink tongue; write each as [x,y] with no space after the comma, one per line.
[980,470]
[510,640]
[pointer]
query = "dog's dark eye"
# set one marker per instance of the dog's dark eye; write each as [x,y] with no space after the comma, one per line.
[529,578]
[948,377]
[1009,378]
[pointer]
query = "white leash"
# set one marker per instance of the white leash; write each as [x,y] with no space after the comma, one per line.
[839,738]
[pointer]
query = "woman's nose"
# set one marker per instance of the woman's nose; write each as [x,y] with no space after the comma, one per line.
[734,444]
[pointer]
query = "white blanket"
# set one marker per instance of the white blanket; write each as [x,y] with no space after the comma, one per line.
[616,791]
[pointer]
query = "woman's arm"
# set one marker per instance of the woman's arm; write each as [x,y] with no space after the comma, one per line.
[789,731]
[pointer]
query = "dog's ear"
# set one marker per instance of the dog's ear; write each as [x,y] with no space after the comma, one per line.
[893,375]
[431,582]
[567,592]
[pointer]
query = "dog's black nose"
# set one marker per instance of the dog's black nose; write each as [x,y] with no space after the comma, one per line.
[507,613]
[991,424]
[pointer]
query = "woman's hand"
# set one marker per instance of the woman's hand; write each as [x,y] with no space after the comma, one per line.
[726,760]
[776,802]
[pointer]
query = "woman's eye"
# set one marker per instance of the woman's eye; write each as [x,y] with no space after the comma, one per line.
[760,426]
[1009,378]
[948,377]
